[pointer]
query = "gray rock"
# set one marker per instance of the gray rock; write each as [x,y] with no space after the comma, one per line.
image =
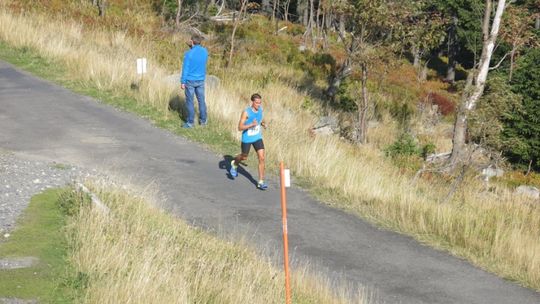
[16,263]
[212,82]
[326,125]
[327,121]
[326,130]
[18,301]
[528,191]
[490,172]
[173,79]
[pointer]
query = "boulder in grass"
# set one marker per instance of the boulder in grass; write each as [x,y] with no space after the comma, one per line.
[491,171]
[327,125]
[528,191]
[212,82]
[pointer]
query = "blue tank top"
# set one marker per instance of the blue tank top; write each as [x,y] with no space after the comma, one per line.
[255,133]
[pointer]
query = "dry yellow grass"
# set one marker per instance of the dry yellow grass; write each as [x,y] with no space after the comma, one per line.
[494,230]
[138,254]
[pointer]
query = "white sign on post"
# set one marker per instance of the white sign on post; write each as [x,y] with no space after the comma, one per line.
[287,177]
[141,65]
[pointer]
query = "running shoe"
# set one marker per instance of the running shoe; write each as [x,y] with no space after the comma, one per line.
[233,171]
[187,125]
[262,185]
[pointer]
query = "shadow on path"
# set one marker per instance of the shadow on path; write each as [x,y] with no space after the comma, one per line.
[225,164]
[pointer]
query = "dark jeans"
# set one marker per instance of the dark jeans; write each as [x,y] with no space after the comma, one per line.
[195,88]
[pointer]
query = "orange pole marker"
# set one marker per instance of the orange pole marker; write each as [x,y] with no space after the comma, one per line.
[285,234]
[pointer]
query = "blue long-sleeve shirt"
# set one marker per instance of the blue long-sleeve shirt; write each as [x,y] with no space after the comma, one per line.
[194,65]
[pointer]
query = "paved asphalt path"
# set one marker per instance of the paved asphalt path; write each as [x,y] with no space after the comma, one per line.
[44,121]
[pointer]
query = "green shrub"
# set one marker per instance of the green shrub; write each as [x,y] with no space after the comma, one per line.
[405,145]
[70,201]
[427,149]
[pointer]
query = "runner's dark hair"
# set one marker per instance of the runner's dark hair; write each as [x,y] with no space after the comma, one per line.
[255,96]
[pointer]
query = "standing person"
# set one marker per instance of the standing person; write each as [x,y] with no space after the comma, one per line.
[192,81]
[250,124]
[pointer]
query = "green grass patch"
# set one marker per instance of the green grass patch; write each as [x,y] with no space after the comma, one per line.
[39,233]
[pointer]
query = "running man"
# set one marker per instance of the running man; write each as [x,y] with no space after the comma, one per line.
[250,124]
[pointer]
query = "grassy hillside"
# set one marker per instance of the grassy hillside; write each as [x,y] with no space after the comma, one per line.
[491,228]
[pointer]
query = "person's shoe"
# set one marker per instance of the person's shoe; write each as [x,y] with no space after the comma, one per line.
[187,125]
[203,123]
[262,185]
[233,171]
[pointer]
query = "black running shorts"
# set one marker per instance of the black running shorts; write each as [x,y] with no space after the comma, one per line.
[256,145]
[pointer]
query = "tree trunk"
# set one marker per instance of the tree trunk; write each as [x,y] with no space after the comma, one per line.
[416,56]
[274,10]
[329,20]
[512,62]
[424,71]
[236,22]
[275,15]
[452,51]
[178,13]
[287,3]
[311,23]
[305,16]
[102,5]
[537,23]
[473,91]
[318,20]
[323,33]
[342,25]
[302,11]
[343,72]
[459,148]
[361,129]
[265,6]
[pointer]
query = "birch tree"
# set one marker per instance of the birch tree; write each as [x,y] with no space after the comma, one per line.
[476,80]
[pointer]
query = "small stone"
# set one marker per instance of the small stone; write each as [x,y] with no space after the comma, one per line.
[37,181]
[6,235]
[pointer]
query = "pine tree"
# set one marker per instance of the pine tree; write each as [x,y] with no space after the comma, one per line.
[523,126]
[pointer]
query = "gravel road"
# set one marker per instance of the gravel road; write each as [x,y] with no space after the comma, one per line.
[21,178]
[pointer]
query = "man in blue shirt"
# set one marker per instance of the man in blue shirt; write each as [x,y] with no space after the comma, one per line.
[192,81]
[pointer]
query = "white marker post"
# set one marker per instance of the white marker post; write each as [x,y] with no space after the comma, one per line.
[141,68]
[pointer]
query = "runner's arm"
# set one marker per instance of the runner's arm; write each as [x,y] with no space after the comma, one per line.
[241,124]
